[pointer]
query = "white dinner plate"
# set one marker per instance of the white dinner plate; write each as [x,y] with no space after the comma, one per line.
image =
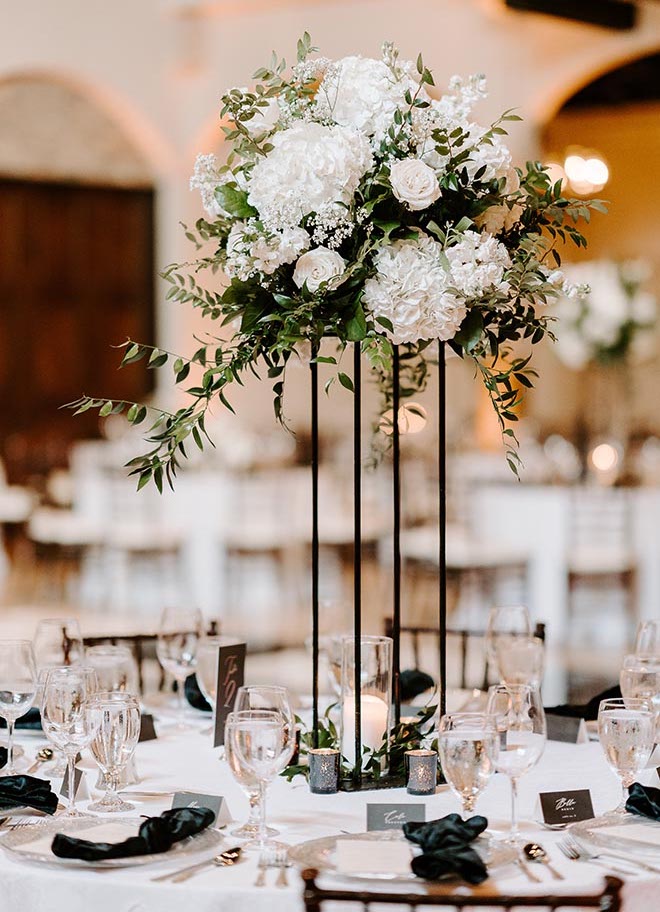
[321,854]
[34,843]
[629,834]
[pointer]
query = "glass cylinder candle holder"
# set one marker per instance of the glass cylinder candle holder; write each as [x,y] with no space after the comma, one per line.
[372,702]
[421,771]
[324,763]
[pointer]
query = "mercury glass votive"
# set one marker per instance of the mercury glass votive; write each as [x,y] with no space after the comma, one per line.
[421,771]
[323,770]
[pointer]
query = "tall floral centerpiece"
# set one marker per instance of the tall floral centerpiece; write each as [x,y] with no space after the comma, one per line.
[358,204]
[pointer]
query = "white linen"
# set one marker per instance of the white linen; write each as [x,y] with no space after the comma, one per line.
[188,762]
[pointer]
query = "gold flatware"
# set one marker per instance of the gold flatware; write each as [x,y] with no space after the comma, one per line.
[223,860]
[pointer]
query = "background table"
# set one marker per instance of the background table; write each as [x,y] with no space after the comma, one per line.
[188,762]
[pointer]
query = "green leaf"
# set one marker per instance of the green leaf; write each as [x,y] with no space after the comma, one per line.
[105,409]
[356,327]
[346,381]
[469,334]
[234,201]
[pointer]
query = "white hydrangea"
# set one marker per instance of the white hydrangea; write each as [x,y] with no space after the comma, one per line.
[251,250]
[206,177]
[446,113]
[311,167]
[495,157]
[364,94]
[477,264]
[409,290]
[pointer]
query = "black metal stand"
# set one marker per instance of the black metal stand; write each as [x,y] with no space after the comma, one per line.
[357,555]
[315,544]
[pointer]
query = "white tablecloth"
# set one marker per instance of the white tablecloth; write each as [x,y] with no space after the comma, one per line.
[189,762]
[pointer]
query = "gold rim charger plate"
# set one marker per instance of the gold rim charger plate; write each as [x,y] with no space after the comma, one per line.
[321,854]
[625,834]
[32,843]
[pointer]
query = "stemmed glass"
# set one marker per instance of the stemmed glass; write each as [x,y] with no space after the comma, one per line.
[253,747]
[626,729]
[116,668]
[176,648]
[115,719]
[66,717]
[520,659]
[505,621]
[520,721]
[269,698]
[647,640]
[58,641]
[18,686]
[468,746]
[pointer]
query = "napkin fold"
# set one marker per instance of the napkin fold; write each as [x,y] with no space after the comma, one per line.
[194,695]
[27,791]
[644,800]
[414,682]
[446,847]
[4,756]
[587,711]
[31,720]
[156,835]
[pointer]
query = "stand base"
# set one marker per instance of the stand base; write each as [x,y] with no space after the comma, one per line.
[367,784]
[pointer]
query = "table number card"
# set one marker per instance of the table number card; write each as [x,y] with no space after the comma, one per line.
[147,729]
[231,673]
[566,807]
[566,728]
[215,803]
[393,816]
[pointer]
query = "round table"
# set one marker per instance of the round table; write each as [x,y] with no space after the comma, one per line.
[188,762]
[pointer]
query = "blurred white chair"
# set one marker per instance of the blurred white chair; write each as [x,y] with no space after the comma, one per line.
[62,539]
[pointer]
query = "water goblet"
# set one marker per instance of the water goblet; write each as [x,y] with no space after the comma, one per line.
[176,648]
[66,717]
[520,659]
[647,639]
[116,668]
[116,721]
[253,748]
[505,621]
[626,729]
[58,641]
[468,745]
[520,721]
[18,687]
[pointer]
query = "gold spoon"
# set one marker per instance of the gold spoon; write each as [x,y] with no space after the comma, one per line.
[43,756]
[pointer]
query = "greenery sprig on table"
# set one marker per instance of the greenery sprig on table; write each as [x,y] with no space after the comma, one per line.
[356,205]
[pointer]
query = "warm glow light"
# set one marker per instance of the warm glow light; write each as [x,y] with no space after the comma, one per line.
[604,457]
[555,172]
[412,419]
[586,174]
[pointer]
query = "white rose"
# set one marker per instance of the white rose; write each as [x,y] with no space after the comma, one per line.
[318,266]
[414,183]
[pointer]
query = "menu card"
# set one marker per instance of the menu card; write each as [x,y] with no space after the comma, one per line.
[231,675]
[361,856]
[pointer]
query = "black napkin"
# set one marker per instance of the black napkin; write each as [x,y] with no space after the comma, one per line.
[194,695]
[4,756]
[31,720]
[414,682]
[644,800]
[157,835]
[446,847]
[588,711]
[27,791]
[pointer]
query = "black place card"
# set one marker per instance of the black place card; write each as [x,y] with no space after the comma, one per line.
[393,816]
[215,803]
[566,807]
[231,675]
[147,730]
[566,728]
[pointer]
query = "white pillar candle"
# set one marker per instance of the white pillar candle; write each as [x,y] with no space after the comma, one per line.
[373,724]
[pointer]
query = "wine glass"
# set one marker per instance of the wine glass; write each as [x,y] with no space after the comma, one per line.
[269,698]
[520,721]
[66,716]
[116,668]
[58,641]
[116,722]
[18,687]
[253,747]
[520,659]
[468,746]
[505,620]
[647,639]
[176,648]
[626,729]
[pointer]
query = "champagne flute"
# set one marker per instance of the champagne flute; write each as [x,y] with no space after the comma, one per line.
[507,621]
[520,721]
[468,747]
[66,717]
[58,641]
[176,648]
[520,659]
[253,748]
[116,722]
[18,687]
[647,639]
[626,729]
[116,668]
[270,698]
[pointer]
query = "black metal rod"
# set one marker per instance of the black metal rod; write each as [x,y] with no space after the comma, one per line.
[396,556]
[357,555]
[442,524]
[315,544]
